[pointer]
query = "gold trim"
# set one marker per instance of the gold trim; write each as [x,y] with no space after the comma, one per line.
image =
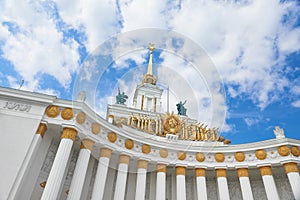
[41,129]
[290,167]
[163,153]
[219,157]
[239,156]
[142,104]
[146,148]
[261,154]
[295,151]
[95,128]
[124,159]
[105,152]
[200,157]
[112,137]
[243,172]
[129,144]
[181,155]
[81,117]
[283,150]
[69,133]
[142,164]
[161,168]
[52,111]
[265,170]
[43,184]
[180,170]
[220,173]
[67,113]
[200,172]
[87,144]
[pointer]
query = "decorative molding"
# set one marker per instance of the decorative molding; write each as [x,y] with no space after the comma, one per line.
[220,173]
[290,167]
[283,150]
[146,148]
[261,154]
[219,157]
[180,170]
[200,157]
[239,156]
[243,172]
[81,117]
[124,159]
[17,106]
[142,164]
[87,144]
[295,151]
[105,152]
[112,137]
[163,153]
[41,129]
[95,128]
[161,168]
[200,172]
[181,155]
[69,133]
[265,170]
[52,111]
[67,113]
[129,144]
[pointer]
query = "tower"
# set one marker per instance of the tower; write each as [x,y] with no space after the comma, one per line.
[147,94]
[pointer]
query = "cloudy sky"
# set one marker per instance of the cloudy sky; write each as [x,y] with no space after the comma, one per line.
[237,63]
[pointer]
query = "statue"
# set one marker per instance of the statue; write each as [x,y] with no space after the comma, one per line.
[121,98]
[279,133]
[181,109]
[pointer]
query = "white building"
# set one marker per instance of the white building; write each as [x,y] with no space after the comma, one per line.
[59,149]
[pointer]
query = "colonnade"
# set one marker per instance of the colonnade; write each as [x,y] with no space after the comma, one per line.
[55,178]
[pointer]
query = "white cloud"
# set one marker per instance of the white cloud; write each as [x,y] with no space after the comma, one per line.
[296,104]
[251,121]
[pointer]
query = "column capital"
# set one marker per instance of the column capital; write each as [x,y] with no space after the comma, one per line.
[290,167]
[180,170]
[220,172]
[200,172]
[143,164]
[242,172]
[69,133]
[265,170]
[161,168]
[105,152]
[124,159]
[87,144]
[41,129]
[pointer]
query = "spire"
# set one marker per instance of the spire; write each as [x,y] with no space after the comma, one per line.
[151,47]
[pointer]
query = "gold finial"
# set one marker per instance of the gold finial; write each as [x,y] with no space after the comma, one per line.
[151,47]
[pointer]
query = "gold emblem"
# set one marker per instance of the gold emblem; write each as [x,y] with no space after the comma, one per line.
[52,111]
[172,124]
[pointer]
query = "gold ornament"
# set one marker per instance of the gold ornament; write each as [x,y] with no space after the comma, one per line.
[239,156]
[81,117]
[52,111]
[242,172]
[146,148]
[161,168]
[124,159]
[105,152]
[265,170]
[112,137]
[290,167]
[41,129]
[69,133]
[172,124]
[43,184]
[96,128]
[219,157]
[221,173]
[142,164]
[181,155]
[129,144]
[163,153]
[180,170]
[261,154]
[200,157]
[295,151]
[283,150]
[67,113]
[200,172]
[87,144]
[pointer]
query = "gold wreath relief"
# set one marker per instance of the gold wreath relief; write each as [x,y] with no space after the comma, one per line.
[172,124]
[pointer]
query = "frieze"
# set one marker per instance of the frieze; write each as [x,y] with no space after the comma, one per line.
[17,106]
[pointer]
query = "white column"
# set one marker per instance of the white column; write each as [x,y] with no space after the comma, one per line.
[55,178]
[80,169]
[201,184]
[245,183]
[269,183]
[161,182]
[222,184]
[292,172]
[180,183]
[141,180]
[121,177]
[100,180]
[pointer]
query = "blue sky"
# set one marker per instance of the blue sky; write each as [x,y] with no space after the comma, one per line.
[250,48]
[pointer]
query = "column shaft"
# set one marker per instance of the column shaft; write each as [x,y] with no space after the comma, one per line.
[245,183]
[100,180]
[222,184]
[269,183]
[161,182]
[201,184]
[121,177]
[80,171]
[180,183]
[292,172]
[141,180]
